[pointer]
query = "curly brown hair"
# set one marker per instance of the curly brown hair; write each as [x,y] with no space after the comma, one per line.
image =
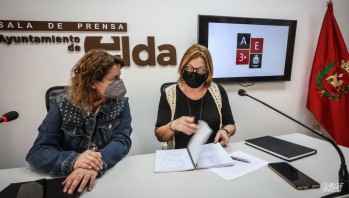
[92,67]
[193,52]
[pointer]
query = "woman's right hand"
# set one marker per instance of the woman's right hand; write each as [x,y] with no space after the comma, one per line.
[89,160]
[185,124]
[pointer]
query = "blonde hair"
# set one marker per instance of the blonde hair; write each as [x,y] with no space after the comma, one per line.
[193,52]
[92,67]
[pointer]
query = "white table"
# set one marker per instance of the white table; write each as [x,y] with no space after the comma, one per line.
[134,176]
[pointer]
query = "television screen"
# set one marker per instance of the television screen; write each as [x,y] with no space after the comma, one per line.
[248,49]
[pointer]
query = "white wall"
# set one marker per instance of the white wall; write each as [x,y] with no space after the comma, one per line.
[27,71]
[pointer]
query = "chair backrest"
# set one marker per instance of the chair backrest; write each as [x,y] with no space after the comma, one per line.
[165,85]
[51,94]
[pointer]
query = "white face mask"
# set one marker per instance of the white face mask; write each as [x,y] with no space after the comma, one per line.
[115,90]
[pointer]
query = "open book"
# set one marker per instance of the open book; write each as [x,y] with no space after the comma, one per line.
[196,156]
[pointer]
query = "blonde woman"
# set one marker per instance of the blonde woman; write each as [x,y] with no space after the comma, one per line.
[194,97]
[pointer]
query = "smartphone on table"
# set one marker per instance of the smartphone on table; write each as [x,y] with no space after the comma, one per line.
[293,176]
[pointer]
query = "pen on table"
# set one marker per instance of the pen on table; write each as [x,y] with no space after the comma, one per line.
[240,159]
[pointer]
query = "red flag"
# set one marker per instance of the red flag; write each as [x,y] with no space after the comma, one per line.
[328,94]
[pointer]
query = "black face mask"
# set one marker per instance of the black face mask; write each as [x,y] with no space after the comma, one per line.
[193,79]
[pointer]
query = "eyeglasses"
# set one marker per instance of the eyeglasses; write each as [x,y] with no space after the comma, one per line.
[199,70]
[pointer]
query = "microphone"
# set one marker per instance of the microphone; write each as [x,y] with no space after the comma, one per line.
[7,117]
[343,175]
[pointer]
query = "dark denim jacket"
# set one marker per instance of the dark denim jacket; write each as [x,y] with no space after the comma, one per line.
[67,131]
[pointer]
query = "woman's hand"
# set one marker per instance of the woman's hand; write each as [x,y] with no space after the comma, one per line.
[185,124]
[222,138]
[89,160]
[79,176]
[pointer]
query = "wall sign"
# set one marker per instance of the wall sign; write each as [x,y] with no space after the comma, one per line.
[166,56]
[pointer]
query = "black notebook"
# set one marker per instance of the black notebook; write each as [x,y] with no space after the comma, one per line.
[280,148]
[50,188]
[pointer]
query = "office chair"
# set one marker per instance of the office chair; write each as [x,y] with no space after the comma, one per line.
[51,94]
[165,85]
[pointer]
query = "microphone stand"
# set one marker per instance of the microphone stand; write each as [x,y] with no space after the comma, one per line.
[343,175]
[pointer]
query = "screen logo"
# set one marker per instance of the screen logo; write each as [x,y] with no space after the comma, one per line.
[249,50]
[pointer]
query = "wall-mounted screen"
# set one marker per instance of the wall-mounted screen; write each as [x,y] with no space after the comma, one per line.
[248,49]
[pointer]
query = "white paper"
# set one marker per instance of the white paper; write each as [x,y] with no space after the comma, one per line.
[198,139]
[172,160]
[213,155]
[240,168]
